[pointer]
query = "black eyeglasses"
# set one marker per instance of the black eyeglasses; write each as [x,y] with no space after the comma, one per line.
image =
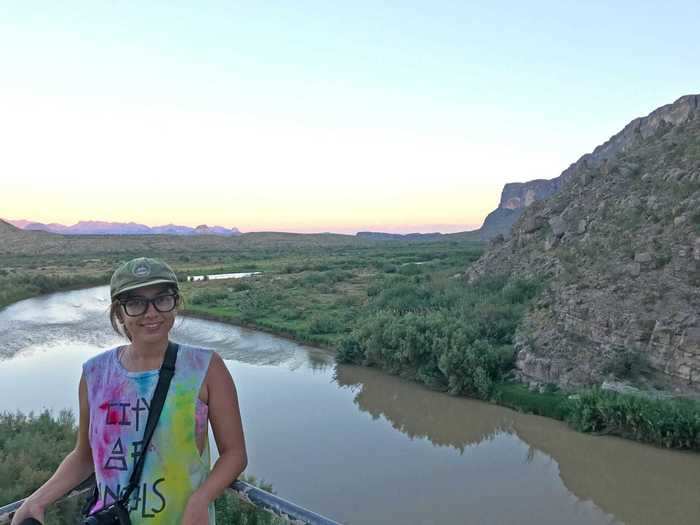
[135,306]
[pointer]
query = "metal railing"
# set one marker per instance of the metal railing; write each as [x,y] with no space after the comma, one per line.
[245,491]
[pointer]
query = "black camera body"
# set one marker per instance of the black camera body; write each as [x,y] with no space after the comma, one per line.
[115,514]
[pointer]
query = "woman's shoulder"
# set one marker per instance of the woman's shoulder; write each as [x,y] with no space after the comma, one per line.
[191,350]
[100,360]
[194,357]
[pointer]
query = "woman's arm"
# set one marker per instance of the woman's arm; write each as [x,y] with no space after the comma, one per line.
[76,467]
[225,418]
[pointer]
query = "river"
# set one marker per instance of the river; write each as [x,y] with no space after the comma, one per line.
[364,447]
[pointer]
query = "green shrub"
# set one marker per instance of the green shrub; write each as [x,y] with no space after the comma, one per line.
[291,268]
[349,351]
[208,297]
[238,285]
[230,510]
[336,276]
[31,448]
[404,297]
[373,289]
[473,368]
[445,333]
[551,403]
[324,324]
[667,423]
[410,269]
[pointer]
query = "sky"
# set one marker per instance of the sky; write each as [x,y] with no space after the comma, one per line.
[318,116]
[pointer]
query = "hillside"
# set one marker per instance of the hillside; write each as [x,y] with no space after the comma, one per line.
[516,197]
[25,243]
[14,240]
[7,229]
[620,245]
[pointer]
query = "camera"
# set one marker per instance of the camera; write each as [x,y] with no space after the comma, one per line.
[115,514]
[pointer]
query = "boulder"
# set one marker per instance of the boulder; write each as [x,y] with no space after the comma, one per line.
[558,225]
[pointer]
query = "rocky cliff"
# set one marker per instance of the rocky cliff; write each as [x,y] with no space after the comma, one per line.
[619,245]
[515,197]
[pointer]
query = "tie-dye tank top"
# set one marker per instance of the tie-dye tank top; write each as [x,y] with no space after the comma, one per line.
[174,467]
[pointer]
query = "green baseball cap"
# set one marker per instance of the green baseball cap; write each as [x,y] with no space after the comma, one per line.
[140,272]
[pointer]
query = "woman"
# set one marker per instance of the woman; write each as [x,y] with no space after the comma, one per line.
[115,390]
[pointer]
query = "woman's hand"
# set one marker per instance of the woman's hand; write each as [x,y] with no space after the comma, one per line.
[74,468]
[197,510]
[29,509]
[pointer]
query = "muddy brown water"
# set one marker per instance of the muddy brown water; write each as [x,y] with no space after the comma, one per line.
[361,446]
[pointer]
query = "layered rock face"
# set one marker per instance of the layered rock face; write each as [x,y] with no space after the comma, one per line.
[520,195]
[619,245]
[515,197]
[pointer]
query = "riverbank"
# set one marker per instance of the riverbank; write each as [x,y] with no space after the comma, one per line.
[18,286]
[272,330]
[666,423]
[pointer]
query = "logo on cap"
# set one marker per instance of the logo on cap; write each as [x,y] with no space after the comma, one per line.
[142,269]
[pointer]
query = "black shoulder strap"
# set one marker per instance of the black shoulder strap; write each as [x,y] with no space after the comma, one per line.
[167,370]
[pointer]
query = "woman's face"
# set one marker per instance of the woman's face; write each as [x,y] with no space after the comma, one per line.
[151,326]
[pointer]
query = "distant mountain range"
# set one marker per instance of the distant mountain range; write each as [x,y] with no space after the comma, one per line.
[122,228]
[133,228]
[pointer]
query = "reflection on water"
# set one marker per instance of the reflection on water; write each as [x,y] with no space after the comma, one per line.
[622,477]
[78,316]
[422,413]
[364,447]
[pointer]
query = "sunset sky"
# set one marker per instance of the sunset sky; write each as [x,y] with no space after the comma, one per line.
[318,116]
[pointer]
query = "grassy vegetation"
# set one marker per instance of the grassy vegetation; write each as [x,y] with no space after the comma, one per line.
[319,298]
[668,423]
[401,307]
[230,510]
[30,449]
[443,332]
[551,403]
[673,423]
